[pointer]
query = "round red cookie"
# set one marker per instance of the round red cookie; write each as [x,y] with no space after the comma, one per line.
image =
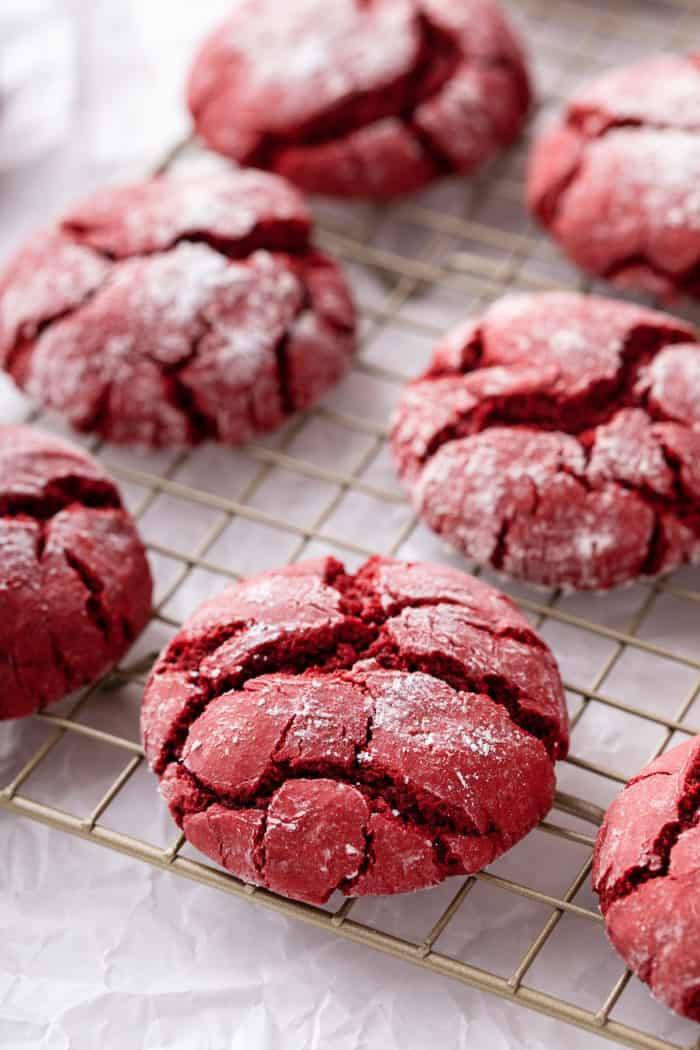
[315,731]
[557,438]
[175,310]
[615,181]
[646,872]
[361,98]
[75,587]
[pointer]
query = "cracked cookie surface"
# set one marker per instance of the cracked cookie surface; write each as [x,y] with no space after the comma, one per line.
[361,98]
[315,731]
[176,310]
[557,438]
[615,181]
[75,587]
[646,872]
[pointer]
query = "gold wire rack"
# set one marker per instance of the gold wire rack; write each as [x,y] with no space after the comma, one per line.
[417,266]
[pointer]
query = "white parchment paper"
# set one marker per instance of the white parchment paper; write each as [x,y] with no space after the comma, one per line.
[97,950]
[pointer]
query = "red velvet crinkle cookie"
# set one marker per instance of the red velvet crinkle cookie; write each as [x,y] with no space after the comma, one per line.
[557,438]
[315,731]
[646,872]
[75,587]
[361,98]
[171,311]
[616,181]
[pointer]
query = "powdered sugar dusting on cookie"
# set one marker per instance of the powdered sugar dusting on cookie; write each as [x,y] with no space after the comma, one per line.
[258,42]
[671,382]
[662,91]
[49,278]
[152,216]
[174,288]
[124,322]
[575,468]
[616,182]
[646,870]
[337,95]
[75,587]
[661,171]
[354,772]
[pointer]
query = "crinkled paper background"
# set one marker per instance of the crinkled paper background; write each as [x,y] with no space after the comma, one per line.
[97,950]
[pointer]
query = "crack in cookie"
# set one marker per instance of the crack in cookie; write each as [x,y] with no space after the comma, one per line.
[557,439]
[75,587]
[317,731]
[173,311]
[646,872]
[402,91]
[615,181]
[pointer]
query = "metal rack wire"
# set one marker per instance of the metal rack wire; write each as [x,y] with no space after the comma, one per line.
[466,253]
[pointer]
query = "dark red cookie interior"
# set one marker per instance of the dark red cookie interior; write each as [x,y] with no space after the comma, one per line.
[360,99]
[646,872]
[374,733]
[171,311]
[75,588]
[615,181]
[558,439]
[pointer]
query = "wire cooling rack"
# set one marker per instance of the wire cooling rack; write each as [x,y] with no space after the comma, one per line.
[324,484]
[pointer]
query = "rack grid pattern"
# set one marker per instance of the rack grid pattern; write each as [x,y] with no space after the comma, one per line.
[416,266]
